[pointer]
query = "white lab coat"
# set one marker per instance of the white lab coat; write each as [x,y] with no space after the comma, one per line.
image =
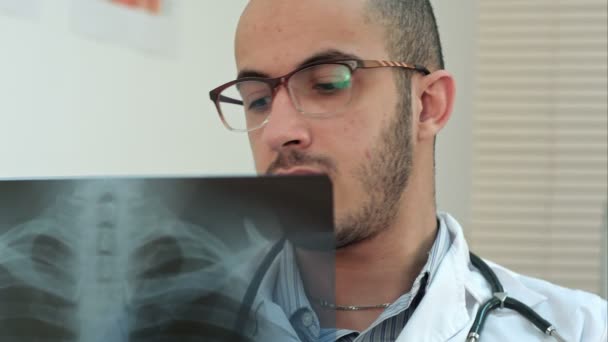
[458,290]
[448,309]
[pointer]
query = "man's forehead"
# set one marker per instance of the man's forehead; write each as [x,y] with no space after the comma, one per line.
[281,34]
[323,55]
[273,13]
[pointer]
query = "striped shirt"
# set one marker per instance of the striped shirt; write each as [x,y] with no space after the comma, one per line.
[291,297]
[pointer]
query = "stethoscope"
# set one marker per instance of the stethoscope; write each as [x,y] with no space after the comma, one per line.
[499,299]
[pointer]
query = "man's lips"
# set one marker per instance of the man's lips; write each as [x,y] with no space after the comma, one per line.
[299,171]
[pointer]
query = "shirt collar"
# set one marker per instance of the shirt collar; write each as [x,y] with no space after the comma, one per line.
[440,247]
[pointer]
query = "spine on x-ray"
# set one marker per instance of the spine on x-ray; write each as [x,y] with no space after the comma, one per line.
[109,265]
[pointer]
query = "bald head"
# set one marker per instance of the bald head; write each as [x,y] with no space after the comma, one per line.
[408,27]
[289,30]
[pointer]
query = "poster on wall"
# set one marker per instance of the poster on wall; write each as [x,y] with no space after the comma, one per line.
[146,25]
[20,8]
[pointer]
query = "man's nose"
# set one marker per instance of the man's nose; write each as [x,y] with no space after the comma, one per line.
[286,127]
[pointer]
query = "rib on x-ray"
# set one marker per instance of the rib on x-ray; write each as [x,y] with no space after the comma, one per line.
[124,259]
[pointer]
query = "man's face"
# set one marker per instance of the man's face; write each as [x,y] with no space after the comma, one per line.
[366,149]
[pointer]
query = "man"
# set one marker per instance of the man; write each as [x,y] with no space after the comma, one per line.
[356,90]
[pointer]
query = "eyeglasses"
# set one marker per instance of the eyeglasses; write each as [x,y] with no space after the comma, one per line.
[318,89]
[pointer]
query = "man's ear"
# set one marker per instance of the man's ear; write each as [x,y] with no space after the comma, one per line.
[437,94]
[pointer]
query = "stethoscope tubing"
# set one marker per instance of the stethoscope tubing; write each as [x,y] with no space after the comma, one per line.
[501,300]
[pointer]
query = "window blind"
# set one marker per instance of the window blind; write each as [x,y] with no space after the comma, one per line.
[540,138]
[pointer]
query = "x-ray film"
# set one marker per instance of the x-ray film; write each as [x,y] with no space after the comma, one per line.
[151,259]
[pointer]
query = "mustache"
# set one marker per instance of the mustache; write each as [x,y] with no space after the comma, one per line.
[294,158]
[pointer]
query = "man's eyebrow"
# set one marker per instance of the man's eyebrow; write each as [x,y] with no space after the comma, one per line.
[329,55]
[326,55]
[251,73]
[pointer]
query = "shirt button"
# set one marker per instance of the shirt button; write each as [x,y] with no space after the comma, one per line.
[307,319]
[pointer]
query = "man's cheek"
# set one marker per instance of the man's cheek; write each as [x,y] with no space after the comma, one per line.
[262,162]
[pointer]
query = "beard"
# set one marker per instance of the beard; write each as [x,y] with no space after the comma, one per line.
[383,178]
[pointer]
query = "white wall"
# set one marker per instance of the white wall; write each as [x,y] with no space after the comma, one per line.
[74,106]
[457,21]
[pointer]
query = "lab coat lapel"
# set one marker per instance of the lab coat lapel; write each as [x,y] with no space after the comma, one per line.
[514,288]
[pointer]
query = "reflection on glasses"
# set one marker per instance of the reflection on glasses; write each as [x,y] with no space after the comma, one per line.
[318,89]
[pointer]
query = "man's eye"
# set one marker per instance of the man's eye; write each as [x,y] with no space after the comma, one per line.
[260,104]
[332,86]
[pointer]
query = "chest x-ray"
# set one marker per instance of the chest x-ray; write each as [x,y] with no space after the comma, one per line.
[142,259]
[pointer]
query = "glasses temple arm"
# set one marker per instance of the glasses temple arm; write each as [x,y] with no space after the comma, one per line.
[383,64]
[227,99]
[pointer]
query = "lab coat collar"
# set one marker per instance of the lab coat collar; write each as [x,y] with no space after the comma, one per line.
[476,285]
[456,293]
[514,287]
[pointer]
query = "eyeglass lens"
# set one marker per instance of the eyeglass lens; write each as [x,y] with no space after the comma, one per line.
[318,90]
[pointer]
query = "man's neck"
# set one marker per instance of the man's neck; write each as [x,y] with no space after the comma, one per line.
[375,271]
